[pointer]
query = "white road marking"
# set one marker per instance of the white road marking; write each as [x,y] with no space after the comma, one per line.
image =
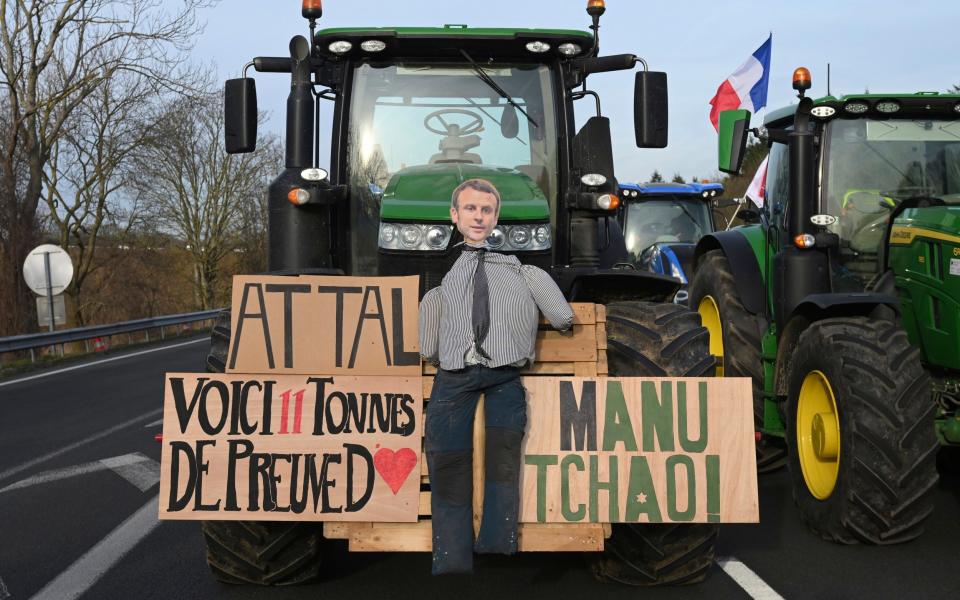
[75,445]
[89,568]
[143,472]
[747,579]
[3,590]
[100,362]
[140,470]
[154,424]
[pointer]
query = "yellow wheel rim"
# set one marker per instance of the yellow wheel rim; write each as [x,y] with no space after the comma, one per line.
[710,317]
[818,435]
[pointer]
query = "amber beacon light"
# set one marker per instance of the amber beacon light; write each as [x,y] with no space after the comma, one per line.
[801,78]
[596,7]
[312,9]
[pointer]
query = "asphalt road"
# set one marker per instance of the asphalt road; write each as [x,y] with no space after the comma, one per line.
[78,472]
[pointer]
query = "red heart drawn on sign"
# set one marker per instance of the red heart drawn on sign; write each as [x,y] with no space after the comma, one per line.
[394,466]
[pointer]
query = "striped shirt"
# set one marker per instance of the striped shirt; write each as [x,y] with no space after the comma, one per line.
[516,292]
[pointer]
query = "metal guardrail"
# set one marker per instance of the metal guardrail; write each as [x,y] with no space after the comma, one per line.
[31,341]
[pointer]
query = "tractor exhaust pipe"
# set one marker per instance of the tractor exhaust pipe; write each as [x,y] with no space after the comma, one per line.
[300,106]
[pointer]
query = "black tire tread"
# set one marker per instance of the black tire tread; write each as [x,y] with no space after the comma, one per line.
[649,339]
[888,446]
[256,552]
[741,345]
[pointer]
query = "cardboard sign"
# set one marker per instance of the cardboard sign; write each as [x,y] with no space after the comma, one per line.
[334,325]
[639,450]
[291,448]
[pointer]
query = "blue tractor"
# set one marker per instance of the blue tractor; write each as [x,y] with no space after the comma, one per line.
[662,223]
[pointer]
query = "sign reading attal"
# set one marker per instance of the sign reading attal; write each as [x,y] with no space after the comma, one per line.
[331,325]
[634,450]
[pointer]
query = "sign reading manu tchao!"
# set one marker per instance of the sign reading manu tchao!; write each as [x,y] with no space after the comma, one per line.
[291,447]
[639,450]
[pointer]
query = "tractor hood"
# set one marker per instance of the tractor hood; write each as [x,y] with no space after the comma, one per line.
[422,193]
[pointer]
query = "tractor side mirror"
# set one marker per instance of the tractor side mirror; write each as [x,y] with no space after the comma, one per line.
[734,127]
[650,109]
[240,115]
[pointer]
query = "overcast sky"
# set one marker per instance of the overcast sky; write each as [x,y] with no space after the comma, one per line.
[882,45]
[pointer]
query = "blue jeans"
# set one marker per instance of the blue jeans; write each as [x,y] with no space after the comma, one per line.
[449,446]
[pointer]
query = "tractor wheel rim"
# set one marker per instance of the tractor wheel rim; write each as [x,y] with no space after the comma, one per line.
[818,435]
[710,317]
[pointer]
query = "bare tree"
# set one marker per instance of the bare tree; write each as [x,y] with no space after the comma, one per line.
[85,175]
[199,191]
[53,55]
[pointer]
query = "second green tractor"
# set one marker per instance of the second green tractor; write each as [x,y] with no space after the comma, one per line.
[843,303]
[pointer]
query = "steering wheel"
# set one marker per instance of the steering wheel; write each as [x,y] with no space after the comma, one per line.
[474,125]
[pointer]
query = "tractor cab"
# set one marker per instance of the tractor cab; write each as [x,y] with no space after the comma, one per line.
[874,152]
[662,223]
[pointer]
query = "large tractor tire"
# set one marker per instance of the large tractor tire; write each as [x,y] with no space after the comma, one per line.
[645,339]
[735,342]
[860,427]
[261,552]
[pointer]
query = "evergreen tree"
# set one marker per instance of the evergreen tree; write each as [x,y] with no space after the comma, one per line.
[678,178]
[656,177]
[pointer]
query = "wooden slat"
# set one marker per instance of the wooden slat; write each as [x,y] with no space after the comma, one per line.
[561,346]
[602,368]
[584,313]
[585,369]
[534,537]
[423,508]
[601,312]
[392,537]
[427,386]
[550,368]
[561,537]
[601,336]
[479,446]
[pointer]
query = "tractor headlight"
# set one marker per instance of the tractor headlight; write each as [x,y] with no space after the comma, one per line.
[340,47]
[437,237]
[520,238]
[538,47]
[414,236]
[569,49]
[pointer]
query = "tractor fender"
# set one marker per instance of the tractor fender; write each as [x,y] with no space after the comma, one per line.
[743,264]
[611,285]
[815,307]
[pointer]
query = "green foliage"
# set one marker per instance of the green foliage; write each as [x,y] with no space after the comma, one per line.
[656,177]
[678,178]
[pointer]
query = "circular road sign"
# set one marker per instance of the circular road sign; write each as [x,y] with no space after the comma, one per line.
[61,269]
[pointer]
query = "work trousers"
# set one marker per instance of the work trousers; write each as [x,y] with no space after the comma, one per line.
[449,445]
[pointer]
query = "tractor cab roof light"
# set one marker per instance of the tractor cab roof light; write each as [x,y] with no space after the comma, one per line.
[311,9]
[956,107]
[569,49]
[856,108]
[373,45]
[340,47]
[887,106]
[538,47]
[823,112]
[804,240]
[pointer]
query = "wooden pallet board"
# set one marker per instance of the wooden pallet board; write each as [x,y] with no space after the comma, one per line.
[417,537]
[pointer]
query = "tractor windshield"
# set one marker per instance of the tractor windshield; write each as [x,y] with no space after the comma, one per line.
[413,119]
[871,165]
[664,220]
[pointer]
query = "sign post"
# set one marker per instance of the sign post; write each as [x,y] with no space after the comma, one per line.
[48,271]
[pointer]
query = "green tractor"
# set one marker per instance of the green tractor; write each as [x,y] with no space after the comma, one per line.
[416,111]
[842,304]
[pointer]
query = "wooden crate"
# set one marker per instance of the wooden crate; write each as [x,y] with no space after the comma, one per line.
[582,353]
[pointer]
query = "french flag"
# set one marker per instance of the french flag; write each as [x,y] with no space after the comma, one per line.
[747,87]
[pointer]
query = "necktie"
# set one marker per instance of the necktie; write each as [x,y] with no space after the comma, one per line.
[481,305]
